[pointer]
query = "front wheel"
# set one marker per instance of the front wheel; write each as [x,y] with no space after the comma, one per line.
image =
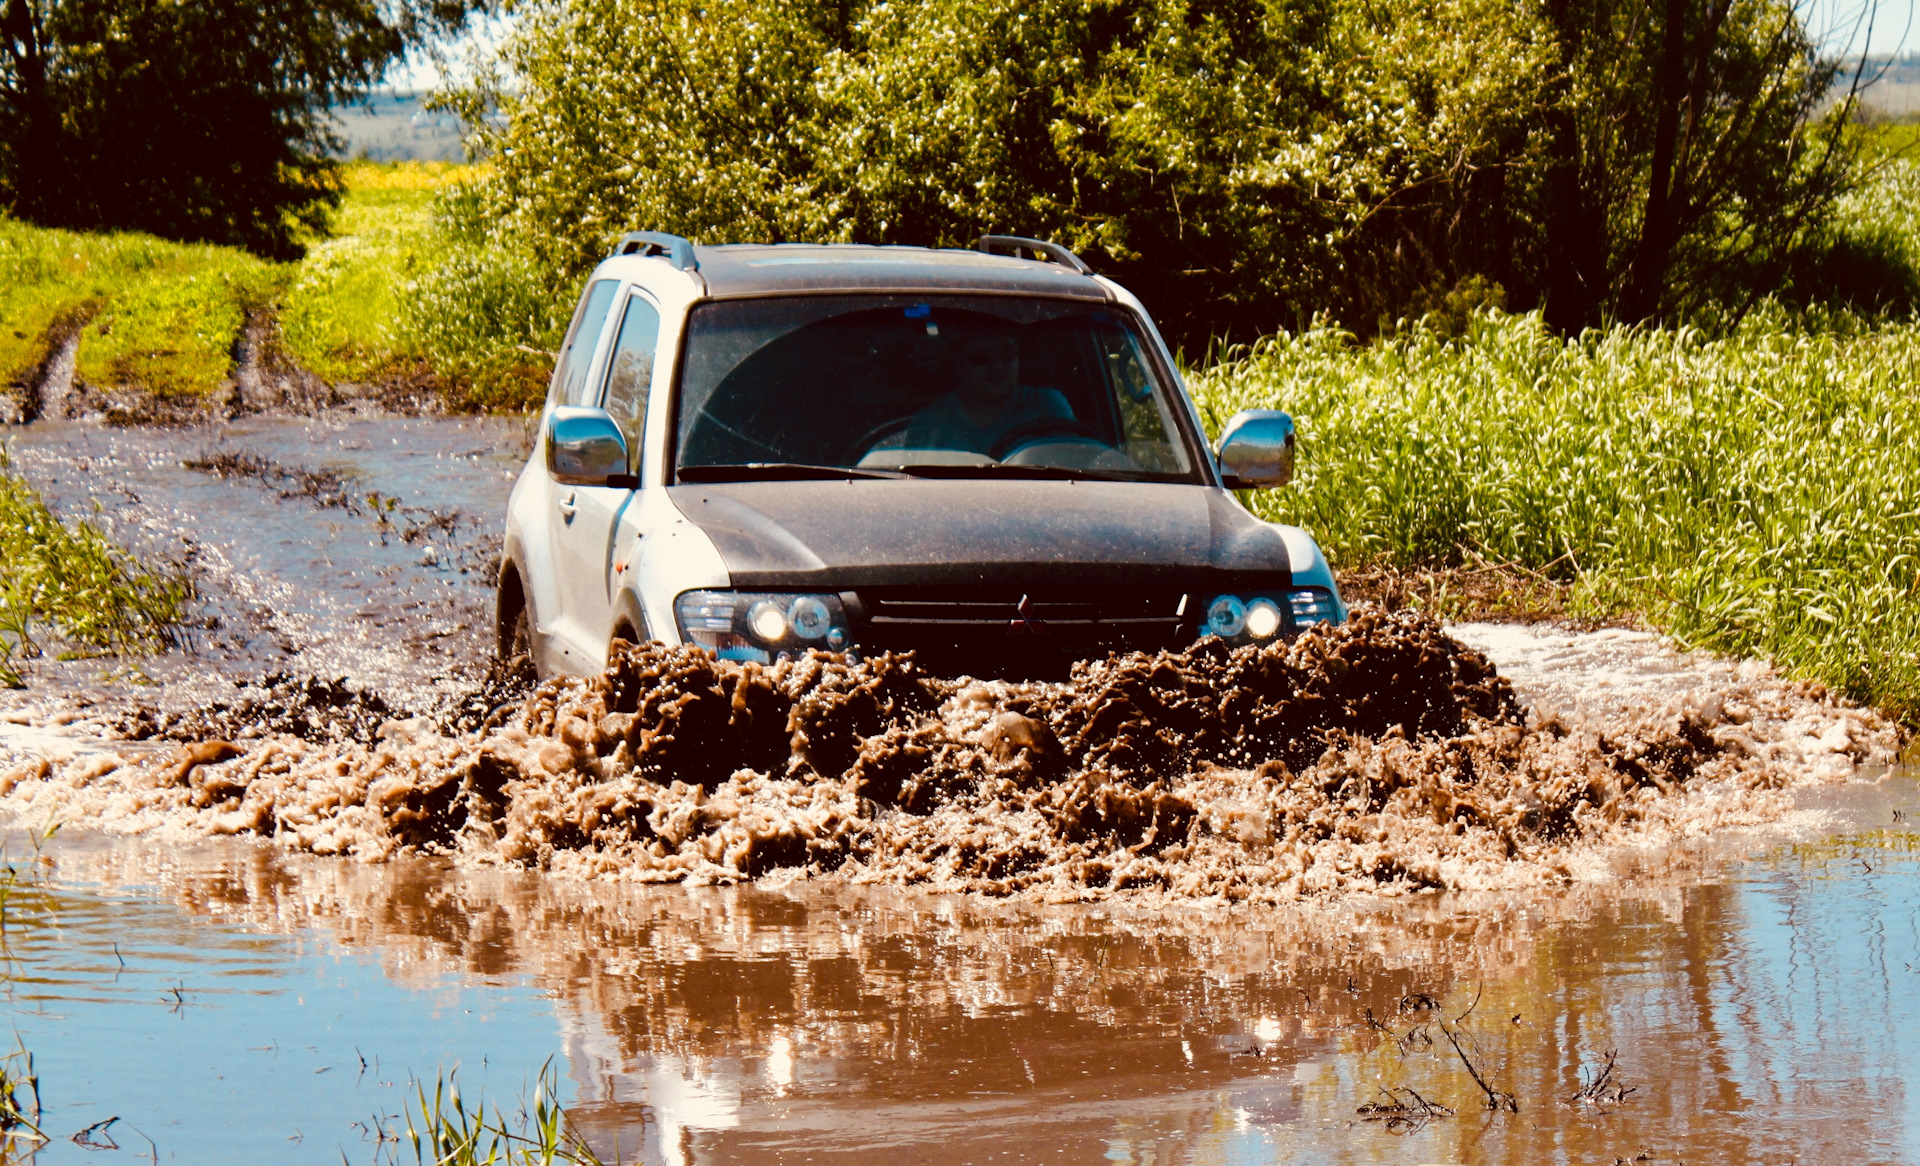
[514,646]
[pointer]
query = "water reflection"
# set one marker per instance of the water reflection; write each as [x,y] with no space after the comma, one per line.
[1758,1013]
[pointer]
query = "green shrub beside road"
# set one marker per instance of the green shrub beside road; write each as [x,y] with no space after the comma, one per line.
[1757,493]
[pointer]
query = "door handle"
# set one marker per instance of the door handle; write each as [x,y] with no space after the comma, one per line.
[567,506]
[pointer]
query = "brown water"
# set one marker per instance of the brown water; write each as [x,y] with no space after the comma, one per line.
[1761,1005]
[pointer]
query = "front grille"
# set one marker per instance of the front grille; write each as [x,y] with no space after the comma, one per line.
[1002,631]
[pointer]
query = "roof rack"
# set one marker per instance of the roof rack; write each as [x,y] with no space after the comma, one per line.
[678,251]
[1021,247]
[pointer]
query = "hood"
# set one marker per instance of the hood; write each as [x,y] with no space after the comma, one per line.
[836,535]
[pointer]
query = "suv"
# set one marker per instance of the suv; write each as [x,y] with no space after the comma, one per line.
[987,457]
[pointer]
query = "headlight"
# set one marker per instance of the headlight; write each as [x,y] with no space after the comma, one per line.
[736,625]
[1226,615]
[1246,619]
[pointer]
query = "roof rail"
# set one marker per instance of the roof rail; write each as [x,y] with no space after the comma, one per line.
[1015,245]
[678,251]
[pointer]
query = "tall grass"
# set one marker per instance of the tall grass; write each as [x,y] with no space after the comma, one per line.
[1756,493]
[73,580]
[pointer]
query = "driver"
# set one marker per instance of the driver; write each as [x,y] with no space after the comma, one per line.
[988,402]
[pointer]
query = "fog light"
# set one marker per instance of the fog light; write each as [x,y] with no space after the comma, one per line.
[809,617]
[767,621]
[837,638]
[1263,618]
[1226,615]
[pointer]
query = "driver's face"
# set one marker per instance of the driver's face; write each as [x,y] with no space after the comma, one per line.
[988,373]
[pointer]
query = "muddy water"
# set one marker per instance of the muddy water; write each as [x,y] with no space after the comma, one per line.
[1760,999]
[350,547]
[220,998]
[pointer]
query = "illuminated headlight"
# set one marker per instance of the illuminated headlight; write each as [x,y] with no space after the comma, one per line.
[737,625]
[1313,605]
[1246,619]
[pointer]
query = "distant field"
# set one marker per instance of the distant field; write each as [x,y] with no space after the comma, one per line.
[397,127]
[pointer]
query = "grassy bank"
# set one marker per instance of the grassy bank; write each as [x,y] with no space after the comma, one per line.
[168,318]
[70,579]
[341,315]
[150,314]
[1757,493]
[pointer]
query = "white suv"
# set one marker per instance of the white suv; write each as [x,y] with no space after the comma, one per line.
[985,456]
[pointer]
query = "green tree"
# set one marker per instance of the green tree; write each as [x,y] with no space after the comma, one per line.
[200,120]
[1242,164]
[1693,150]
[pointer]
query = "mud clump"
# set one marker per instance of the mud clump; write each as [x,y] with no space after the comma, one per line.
[1379,754]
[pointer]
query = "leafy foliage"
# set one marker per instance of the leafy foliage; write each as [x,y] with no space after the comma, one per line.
[1240,163]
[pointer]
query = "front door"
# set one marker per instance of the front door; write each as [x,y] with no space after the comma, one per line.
[589,516]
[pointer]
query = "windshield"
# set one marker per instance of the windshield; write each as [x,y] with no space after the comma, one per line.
[948,386]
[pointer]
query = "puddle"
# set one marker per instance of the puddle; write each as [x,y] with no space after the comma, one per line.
[1759,1006]
[299,573]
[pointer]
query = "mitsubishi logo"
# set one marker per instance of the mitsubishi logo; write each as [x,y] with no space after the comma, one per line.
[1028,623]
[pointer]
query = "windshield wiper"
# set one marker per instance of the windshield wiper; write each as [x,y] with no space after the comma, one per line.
[1008,470]
[777,472]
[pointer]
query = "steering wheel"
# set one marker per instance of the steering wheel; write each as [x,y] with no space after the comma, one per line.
[863,445]
[1029,432]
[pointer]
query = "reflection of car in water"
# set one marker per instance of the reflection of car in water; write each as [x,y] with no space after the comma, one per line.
[983,457]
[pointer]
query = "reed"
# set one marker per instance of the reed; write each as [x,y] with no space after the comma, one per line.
[1756,492]
[441,1129]
[72,580]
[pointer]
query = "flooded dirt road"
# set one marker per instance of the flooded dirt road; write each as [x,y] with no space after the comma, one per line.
[219,996]
[1758,997]
[358,548]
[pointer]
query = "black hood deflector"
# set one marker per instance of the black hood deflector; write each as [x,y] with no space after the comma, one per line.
[837,535]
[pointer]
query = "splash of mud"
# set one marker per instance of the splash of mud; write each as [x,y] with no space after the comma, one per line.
[1378,755]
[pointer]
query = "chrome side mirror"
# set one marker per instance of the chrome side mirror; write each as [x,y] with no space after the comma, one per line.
[586,448]
[1256,450]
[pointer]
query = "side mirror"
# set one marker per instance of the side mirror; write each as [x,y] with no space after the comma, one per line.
[586,448]
[1256,450]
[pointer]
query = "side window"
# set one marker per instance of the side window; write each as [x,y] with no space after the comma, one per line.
[630,371]
[570,374]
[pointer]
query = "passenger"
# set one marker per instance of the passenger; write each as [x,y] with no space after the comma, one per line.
[988,402]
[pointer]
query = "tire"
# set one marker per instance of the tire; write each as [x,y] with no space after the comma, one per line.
[514,645]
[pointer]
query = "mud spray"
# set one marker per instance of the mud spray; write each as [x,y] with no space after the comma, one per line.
[1380,755]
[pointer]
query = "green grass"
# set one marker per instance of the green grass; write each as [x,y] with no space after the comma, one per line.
[1757,493]
[71,579]
[443,1131]
[157,315]
[340,316]
[376,300]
